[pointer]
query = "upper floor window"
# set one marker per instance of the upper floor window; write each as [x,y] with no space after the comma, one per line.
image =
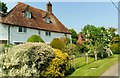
[48,33]
[47,20]
[28,14]
[22,29]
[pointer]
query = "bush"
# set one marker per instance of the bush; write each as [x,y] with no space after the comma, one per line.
[57,44]
[35,38]
[115,48]
[58,66]
[71,49]
[28,59]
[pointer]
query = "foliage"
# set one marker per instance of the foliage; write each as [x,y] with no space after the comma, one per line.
[28,59]
[115,48]
[66,40]
[3,7]
[35,38]
[99,37]
[58,66]
[71,49]
[57,44]
[74,36]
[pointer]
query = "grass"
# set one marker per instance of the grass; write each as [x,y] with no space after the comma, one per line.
[93,69]
[79,62]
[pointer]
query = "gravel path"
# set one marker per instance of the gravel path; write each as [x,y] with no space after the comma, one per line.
[113,71]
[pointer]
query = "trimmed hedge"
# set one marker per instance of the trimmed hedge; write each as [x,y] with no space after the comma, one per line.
[35,38]
[57,44]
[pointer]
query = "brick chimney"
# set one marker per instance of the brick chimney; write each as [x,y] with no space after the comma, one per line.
[49,7]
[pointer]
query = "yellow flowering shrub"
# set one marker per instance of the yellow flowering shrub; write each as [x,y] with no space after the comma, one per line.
[58,65]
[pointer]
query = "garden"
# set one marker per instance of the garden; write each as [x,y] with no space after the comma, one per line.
[97,50]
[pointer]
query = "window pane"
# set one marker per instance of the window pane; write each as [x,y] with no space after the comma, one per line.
[38,32]
[20,29]
[25,30]
[28,14]
[46,32]
[49,33]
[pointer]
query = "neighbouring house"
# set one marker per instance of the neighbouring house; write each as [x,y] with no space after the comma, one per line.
[81,39]
[24,21]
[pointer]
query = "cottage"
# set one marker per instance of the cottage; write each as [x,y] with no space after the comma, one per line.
[24,21]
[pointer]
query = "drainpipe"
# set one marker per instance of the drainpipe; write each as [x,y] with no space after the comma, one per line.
[8,42]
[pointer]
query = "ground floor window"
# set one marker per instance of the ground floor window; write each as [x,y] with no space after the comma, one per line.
[3,41]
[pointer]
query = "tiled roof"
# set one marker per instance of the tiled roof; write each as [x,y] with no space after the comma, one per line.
[16,17]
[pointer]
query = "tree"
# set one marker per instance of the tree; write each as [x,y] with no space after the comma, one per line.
[74,36]
[99,38]
[3,7]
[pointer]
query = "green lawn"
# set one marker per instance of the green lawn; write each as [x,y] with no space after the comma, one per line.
[95,68]
[79,62]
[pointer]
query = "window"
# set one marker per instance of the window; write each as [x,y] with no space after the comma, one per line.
[48,33]
[22,29]
[28,14]
[38,32]
[47,20]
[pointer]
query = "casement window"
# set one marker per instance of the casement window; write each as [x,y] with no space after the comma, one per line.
[22,29]
[28,14]
[39,32]
[47,20]
[48,33]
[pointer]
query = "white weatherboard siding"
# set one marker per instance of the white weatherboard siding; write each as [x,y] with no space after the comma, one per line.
[16,36]
[3,32]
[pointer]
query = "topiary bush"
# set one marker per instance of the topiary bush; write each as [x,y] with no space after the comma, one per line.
[57,44]
[28,59]
[58,66]
[35,38]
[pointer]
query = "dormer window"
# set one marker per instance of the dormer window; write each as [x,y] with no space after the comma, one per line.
[28,14]
[47,20]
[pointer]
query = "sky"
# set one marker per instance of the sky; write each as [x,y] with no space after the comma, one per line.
[78,14]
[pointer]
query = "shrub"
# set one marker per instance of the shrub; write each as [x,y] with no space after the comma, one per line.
[35,38]
[71,49]
[57,44]
[28,59]
[115,48]
[58,66]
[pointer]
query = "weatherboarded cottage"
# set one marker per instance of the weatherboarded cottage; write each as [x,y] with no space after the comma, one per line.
[24,21]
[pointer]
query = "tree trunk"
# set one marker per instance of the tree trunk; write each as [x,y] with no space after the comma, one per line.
[86,58]
[95,52]
[102,54]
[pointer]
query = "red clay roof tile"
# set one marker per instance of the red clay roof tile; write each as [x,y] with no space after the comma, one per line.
[16,17]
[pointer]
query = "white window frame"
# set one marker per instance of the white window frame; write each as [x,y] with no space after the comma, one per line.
[28,14]
[23,29]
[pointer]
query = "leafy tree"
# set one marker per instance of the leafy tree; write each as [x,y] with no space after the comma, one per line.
[3,7]
[99,37]
[74,36]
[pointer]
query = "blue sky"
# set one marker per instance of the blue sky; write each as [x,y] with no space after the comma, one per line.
[78,14]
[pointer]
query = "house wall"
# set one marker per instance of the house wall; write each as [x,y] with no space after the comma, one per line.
[3,32]
[16,36]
